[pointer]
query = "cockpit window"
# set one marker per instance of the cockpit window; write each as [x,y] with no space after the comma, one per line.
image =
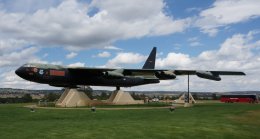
[28,65]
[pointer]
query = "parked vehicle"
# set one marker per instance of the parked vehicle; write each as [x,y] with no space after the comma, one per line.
[239,98]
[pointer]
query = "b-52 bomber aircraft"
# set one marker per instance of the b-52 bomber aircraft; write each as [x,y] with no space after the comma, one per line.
[71,77]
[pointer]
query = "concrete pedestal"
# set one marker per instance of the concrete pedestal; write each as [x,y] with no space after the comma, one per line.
[76,98]
[188,104]
[119,97]
[73,98]
[181,99]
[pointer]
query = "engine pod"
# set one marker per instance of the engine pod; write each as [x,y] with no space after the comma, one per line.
[208,75]
[165,75]
[114,74]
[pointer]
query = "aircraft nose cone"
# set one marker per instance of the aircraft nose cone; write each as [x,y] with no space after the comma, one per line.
[20,72]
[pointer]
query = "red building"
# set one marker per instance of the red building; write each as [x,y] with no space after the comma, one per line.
[239,98]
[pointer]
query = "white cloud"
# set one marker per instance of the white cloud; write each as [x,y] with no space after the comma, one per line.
[174,60]
[193,9]
[17,58]
[194,41]
[77,64]
[56,62]
[9,45]
[68,25]
[8,79]
[104,54]
[237,46]
[112,48]
[195,44]
[225,12]
[27,6]
[237,53]
[125,58]
[177,46]
[71,55]
[207,55]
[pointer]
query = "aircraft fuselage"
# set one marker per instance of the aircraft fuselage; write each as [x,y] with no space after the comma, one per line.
[62,77]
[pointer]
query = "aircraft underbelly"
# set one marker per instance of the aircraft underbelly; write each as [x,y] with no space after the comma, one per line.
[123,82]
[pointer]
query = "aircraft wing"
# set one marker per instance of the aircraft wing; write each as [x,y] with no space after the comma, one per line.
[193,72]
[162,74]
[101,71]
[129,71]
[211,75]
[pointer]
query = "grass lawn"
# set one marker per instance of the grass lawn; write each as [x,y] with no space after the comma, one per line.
[207,120]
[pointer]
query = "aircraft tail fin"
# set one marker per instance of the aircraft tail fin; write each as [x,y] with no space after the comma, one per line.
[150,62]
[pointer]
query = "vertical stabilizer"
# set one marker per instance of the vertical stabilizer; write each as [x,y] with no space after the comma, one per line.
[150,62]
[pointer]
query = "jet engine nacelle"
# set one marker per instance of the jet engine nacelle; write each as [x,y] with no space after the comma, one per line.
[208,75]
[130,81]
[113,74]
[165,74]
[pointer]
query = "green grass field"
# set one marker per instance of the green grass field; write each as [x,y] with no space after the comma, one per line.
[211,120]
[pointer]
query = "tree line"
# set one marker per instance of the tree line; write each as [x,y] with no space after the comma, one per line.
[52,97]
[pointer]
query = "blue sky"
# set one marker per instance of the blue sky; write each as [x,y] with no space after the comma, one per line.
[207,35]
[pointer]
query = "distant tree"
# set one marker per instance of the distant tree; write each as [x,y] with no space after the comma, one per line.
[167,97]
[214,96]
[103,96]
[142,96]
[87,90]
[27,98]
[52,96]
[135,96]
[195,96]
[174,97]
